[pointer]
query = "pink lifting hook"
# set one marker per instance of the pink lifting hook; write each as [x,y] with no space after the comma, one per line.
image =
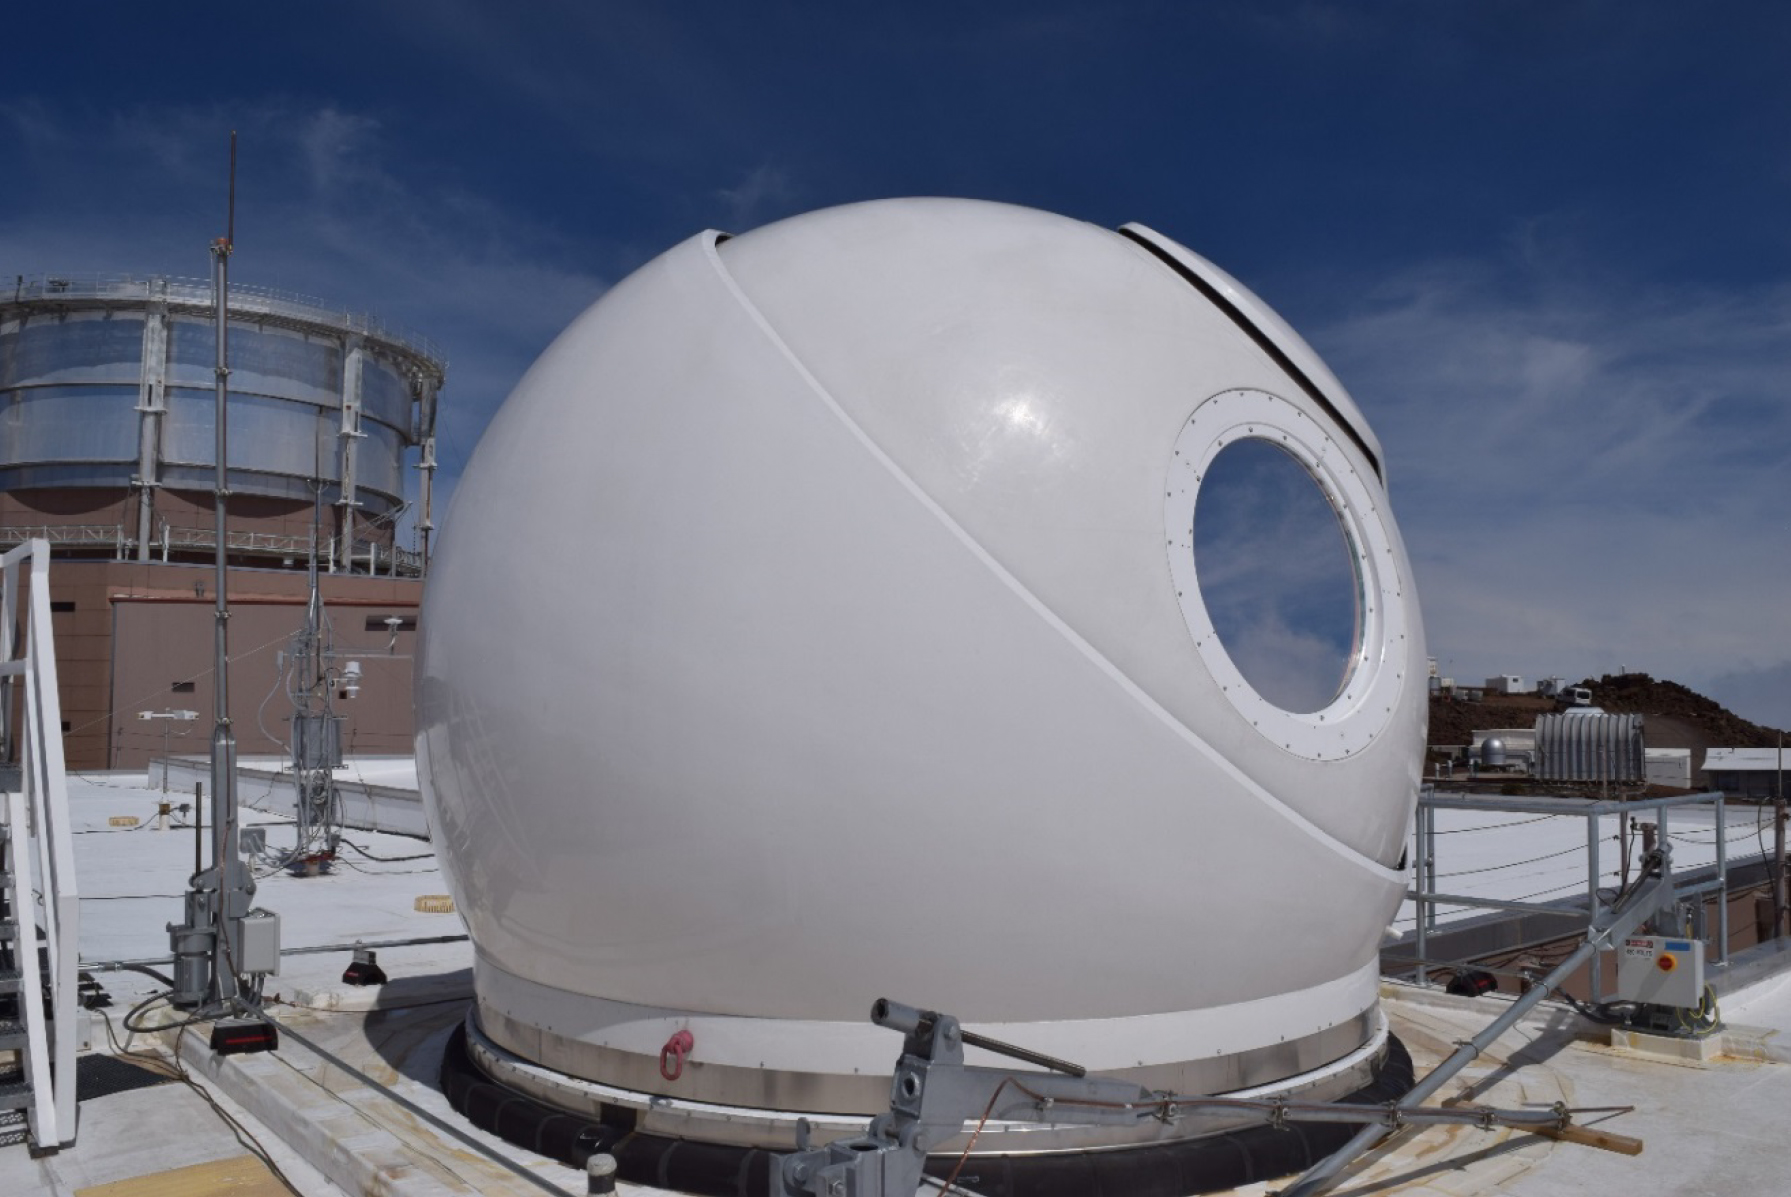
[671,1056]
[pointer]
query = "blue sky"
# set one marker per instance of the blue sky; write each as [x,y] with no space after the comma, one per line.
[1276,575]
[1544,244]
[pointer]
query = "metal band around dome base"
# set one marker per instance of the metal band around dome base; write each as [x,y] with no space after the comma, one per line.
[759,1107]
[1216,1161]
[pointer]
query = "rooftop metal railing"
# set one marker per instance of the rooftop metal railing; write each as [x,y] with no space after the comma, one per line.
[1427,898]
[262,544]
[192,292]
[69,534]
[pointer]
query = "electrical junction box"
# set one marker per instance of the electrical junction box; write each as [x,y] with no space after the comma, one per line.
[1661,971]
[317,741]
[258,943]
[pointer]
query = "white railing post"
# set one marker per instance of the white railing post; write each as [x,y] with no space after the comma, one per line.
[60,887]
[40,1115]
[38,812]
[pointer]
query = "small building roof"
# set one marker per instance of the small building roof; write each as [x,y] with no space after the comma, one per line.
[1744,760]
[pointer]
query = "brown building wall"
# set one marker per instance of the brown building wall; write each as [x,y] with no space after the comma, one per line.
[133,637]
[60,508]
[290,519]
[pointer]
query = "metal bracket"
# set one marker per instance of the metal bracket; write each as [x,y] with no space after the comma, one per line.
[933,1093]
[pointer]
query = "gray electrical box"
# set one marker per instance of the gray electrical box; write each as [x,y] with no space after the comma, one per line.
[1661,971]
[258,943]
[317,741]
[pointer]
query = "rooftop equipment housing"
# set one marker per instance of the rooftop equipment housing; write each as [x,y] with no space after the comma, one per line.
[1577,746]
[888,669]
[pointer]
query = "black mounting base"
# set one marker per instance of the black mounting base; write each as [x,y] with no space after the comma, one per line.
[234,1036]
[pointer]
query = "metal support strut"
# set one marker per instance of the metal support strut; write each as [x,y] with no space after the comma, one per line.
[933,1094]
[1615,923]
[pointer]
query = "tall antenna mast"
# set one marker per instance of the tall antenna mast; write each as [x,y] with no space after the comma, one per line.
[213,949]
[226,858]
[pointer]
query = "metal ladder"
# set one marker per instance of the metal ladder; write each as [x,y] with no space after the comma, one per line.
[39,940]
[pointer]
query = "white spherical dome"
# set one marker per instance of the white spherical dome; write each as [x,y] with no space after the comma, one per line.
[819,621]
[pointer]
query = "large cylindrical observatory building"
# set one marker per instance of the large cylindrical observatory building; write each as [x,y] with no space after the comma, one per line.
[108,437]
[107,448]
[904,656]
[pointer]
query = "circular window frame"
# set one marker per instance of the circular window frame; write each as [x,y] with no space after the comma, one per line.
[1374,675]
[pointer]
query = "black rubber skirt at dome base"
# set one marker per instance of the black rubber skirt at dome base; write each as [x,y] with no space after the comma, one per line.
[1207,1164]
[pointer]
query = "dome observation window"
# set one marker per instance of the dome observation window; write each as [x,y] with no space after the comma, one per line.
[1286,572]
[1277,575]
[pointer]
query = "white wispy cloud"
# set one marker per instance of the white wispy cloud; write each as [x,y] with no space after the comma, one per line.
[341,151]
[1294,669]
[765,191]
[1588,473]
[30,120]
[1275,574]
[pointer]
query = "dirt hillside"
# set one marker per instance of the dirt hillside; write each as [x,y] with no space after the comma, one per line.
[1675,716]
[1637,692]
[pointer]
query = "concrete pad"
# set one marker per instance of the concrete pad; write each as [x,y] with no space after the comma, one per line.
[141,1132]
[1684,1049]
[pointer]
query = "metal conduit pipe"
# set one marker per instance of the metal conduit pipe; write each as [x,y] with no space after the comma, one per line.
[497,1157]
[114,966]
[1616,923]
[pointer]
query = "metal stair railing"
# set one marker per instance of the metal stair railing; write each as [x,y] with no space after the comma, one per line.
[38,854]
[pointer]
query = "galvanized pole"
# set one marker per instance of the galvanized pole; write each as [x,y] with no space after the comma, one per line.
[1722,873]
[1422,865]
[427,524]
[1623,849]
[1595,975]
[1778,845]
[1616,923]
[224,985]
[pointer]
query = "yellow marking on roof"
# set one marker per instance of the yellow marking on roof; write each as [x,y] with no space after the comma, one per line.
[238,1176]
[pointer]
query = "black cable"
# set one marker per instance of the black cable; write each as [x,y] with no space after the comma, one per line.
[1512,864]
[1569,888]
[1604,1012]
[1650,867]
[148,972]
[126,898]
[406,1005]
[387,859]
[1497,826]
[110,830]
[1502,970]
[91,780]
[130,1016]
[177,1070]
[349,864]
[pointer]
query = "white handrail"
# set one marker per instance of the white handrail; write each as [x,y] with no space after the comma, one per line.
[50,1061]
